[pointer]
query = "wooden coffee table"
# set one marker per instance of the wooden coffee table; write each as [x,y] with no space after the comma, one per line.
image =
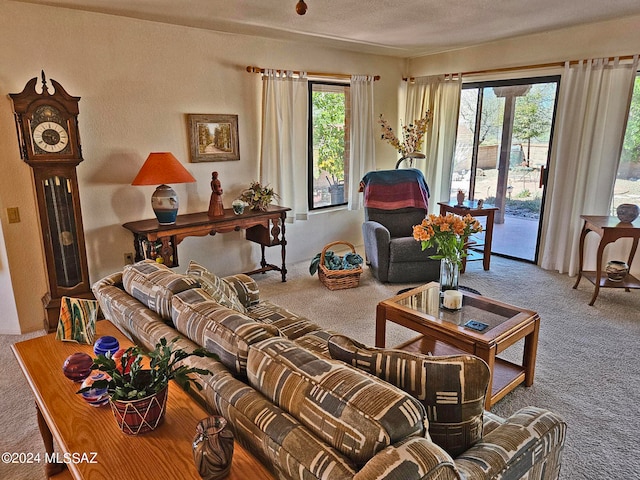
[443,332]
[87,434]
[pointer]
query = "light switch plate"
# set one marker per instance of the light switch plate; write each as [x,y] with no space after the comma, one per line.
[14,215]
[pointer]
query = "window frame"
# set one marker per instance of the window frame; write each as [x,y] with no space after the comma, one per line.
[310,165]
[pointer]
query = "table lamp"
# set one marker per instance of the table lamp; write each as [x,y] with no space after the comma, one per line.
[162,168]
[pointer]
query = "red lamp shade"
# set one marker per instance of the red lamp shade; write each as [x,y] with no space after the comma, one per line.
[162,168]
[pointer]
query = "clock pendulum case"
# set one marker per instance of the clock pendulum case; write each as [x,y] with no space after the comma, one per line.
[47,125]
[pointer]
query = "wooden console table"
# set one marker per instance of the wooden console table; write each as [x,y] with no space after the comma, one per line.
[471,208]
[150,239]
[610,229]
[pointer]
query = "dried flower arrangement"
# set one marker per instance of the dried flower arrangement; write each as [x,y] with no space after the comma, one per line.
[412,134]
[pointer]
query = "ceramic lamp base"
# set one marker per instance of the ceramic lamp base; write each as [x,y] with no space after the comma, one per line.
[164,202]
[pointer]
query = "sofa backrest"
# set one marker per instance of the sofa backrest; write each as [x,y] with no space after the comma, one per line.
[154,285]
[355,413]
[221,330]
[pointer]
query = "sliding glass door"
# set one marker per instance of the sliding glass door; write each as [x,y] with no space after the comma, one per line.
[502,154]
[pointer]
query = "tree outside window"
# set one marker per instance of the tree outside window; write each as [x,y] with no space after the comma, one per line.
[329,143]
[627,186]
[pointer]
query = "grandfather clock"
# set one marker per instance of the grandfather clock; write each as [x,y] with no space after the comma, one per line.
[47,125]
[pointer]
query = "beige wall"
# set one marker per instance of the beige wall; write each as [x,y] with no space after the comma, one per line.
[621,37]
[137,81]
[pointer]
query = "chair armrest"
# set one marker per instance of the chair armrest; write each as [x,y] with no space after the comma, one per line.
[376,247]
[245,287]
[530,438]
[415,458]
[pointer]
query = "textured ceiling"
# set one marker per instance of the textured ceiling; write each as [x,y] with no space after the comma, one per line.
[403,28]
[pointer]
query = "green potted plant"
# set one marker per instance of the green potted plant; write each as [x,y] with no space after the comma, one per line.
[258,196]
[137,392]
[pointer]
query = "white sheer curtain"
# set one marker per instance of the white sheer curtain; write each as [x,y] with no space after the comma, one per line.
[593,106]
[362,142]
[441,96]
[283,155]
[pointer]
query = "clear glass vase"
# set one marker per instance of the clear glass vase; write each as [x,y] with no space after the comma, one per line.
[449,272]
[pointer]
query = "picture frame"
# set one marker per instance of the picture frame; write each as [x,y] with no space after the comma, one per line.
[213,137]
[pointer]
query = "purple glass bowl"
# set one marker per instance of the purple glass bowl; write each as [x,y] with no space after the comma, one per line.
[77,366]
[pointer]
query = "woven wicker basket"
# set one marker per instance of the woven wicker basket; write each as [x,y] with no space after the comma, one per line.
[338,279]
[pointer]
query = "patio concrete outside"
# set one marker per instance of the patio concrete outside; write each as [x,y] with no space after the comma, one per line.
[515,238]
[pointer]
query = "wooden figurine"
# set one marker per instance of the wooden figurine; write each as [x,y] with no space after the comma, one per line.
[216,208]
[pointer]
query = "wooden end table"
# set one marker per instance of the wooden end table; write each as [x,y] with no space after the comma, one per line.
[471,208]
[610,229]
[443,332]
[79,428]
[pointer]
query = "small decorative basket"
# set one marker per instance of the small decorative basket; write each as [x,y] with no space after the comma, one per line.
[338,279]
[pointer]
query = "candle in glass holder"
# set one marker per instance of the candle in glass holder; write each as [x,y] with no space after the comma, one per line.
[452,300]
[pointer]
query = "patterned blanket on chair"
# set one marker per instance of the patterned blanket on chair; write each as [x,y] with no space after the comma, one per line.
[393,189]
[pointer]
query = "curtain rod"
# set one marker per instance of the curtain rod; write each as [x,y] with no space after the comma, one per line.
[341,76]
[525,67]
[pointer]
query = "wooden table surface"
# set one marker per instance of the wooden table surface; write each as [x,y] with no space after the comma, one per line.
[79,428]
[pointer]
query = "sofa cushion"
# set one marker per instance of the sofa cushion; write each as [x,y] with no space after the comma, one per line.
[219,329]
[355,413]
[452,388]
[220,290]
[245,287]
[154,284]
[290,324]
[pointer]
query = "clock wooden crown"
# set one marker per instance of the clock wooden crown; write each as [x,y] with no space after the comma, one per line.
[47,124]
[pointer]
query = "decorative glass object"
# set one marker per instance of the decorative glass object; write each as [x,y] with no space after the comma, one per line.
[213,448]
[238,206]
[95,397]
[77,366]
[106,344]
[449,273]
[627,212]
[616,270]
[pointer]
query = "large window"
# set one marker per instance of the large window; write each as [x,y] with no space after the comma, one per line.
[328,156]
[627,186]
[502,152]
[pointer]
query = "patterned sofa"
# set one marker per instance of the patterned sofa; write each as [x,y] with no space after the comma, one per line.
[313,404]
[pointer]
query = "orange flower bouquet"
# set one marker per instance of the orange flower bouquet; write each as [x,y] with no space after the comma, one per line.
[448,233]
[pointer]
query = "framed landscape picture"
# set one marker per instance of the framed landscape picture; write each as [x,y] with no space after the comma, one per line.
[213,138]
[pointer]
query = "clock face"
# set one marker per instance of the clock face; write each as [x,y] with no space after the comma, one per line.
[49,131]
[51,137]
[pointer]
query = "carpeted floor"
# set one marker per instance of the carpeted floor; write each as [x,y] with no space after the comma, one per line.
[586,370]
